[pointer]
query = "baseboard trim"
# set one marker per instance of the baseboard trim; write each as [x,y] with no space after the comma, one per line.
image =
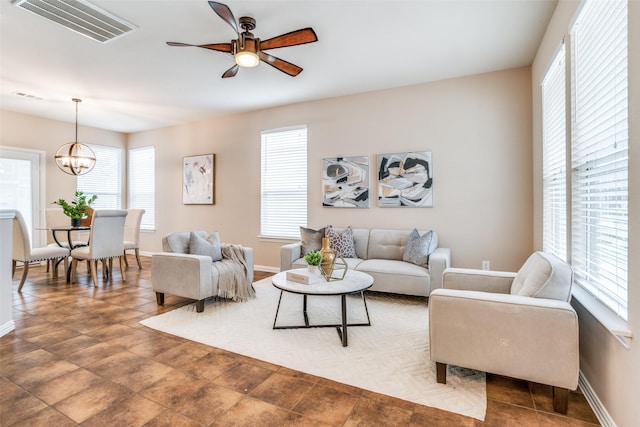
[266,268]
[7,327]
[598,408]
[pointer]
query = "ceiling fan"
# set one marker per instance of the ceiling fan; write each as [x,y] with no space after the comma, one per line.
[249,50]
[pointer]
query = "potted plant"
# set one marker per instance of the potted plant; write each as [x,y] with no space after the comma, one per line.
[79,207]
[313,259]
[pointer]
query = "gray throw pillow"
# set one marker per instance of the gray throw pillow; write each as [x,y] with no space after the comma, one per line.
[310,240]
[342,243]
[208,247]
[418,248]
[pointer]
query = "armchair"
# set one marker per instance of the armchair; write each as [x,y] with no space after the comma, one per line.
[519,325]
[178,271]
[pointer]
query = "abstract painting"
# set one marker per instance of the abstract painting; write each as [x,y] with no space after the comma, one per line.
[197,180]
[405,179]
[345,182]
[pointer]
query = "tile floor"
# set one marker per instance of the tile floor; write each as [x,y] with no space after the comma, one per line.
[78,356]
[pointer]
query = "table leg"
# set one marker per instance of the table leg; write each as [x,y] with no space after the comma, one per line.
[277,310]
[304,310]
[343,333]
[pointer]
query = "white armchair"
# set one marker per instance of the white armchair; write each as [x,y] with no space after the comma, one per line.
[519,325]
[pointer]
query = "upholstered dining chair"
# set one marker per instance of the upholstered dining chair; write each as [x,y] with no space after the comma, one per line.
[132,234]
[106,241]
[519,325]
[23,252]
[55,217]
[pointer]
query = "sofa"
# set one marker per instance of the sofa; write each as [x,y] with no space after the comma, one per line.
[380,253]
[181,272]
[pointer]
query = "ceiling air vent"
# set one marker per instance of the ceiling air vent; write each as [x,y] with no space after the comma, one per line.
[79,16]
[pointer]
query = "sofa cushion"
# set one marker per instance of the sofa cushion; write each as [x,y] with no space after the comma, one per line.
[178,242]
[342,242]
[310,240]
[418,248]
[208,247]
[387,244]
[544,276]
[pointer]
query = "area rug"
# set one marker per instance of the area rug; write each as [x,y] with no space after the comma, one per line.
[390,357]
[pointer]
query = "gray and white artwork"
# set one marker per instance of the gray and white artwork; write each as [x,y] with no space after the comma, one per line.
[345,182]
[197,180]
[405,179]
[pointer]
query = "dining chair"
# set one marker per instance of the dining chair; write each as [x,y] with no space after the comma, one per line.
[132,234]
[55,217]
[23,252]
[106,241]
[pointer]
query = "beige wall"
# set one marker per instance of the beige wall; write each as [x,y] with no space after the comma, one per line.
[478,129]
[35,133]
[612,371]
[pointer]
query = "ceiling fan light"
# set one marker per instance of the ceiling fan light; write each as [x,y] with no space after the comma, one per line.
[246,58]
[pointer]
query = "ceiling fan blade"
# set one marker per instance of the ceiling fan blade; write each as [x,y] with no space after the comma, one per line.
[282,65]
[220,47]
[231,72]
[224,12]
[294,38]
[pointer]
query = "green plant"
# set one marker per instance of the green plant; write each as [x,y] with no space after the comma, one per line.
[78,206]
[313,258]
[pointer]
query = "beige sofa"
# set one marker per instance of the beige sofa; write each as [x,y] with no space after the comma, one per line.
[379,253]
[519,325]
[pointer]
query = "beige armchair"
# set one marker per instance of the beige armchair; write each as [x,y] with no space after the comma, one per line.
[184,271]
[519,325]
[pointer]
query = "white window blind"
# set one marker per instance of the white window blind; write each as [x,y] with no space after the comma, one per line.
[554,158]
[284,182]
[105,178]
[599,152]
[142,190]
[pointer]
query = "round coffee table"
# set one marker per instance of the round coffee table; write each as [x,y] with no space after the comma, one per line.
[354,282]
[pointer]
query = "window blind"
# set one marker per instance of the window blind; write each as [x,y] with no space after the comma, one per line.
[554,158]
[142,190]
[105,178]
[284,182]
[599,152]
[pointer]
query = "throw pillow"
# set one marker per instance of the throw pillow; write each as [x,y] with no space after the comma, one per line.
[208,247]
[342,242]
[418,248]
[310,240]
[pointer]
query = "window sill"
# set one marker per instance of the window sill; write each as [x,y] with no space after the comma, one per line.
[275,239]
[614,324]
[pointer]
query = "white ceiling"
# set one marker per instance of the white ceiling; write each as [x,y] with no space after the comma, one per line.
[137,82]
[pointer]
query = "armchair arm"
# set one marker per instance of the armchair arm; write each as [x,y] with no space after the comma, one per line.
[288,254]
[186,275]
[439,260]
[534,339]
[478,280]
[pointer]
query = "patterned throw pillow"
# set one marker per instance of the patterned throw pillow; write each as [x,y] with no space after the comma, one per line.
[342,243]
[310,240]
[209,247]
[418,248]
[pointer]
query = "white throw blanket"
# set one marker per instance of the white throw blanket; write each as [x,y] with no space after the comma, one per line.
[233,282]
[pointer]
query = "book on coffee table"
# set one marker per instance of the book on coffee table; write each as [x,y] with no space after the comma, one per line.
[303,277]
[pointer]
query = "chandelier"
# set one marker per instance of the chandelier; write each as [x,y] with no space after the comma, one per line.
[75,158]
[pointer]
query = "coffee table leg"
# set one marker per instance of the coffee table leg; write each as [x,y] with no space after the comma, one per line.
[344,321]
[304,310]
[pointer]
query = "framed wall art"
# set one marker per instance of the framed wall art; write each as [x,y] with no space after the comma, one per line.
[405,179]
[198,180]
[345,182]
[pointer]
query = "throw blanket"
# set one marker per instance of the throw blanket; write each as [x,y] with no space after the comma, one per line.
[233,282]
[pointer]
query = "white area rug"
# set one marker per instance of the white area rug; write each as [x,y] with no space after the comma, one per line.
[390,357]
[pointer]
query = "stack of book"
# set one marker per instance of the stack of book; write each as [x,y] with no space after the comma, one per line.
[303,277]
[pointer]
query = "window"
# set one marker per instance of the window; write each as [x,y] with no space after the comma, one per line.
[599,152]
[554,159]
[284,182]
[142,189]
[105,178]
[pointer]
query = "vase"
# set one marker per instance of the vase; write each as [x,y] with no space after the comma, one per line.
[75,222]
[328,257]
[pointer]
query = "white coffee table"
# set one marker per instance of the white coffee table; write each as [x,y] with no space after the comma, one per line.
[354,282]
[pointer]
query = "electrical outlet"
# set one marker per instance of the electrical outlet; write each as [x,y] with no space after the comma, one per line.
[485,265]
